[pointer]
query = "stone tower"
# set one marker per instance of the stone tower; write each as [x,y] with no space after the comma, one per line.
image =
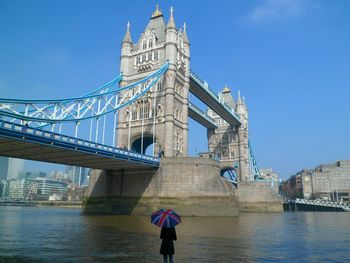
[160,119]
[230,143]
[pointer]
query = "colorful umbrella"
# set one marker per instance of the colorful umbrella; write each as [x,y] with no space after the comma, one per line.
[165,218]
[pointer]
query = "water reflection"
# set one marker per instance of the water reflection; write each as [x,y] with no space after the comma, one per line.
[64,235]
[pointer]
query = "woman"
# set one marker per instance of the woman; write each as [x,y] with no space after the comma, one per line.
[167,247]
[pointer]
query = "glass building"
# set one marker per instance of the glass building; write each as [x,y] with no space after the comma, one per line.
[47,187]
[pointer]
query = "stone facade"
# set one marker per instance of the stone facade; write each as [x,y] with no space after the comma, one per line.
[160,116]
[229,143]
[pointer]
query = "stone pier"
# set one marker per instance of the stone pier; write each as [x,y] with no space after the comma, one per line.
[258,197]
[190,186]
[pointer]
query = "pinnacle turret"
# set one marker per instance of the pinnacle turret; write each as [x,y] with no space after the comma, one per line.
[127,37]
[185,38]
[239,99]
[244,104]
[227,97]
[171,22]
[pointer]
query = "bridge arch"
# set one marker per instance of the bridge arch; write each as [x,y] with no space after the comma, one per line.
[143,143]
[230,174]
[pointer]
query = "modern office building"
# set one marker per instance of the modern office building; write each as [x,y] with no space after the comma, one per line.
[25,175]
[10,168]
[78,175]
[3,184]
[47,187]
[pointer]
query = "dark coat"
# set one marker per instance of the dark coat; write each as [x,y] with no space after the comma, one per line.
[167,235]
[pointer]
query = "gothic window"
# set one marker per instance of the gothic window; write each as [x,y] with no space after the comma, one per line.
[150,44]
[144,44]
[143,57]
[134,115]
[149,56]
[138,59]
[156,55]
[178,144]
[141,113]
[225,139]
[159,86]
[146,111]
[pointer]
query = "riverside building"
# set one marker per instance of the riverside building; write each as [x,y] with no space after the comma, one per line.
[18,190]
[326,181]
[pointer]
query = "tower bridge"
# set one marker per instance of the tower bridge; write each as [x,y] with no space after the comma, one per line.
[145,112]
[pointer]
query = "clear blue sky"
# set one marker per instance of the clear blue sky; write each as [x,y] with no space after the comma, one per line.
[289,58]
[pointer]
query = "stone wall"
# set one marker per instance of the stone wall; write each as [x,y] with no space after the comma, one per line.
[191,186]
[258,197]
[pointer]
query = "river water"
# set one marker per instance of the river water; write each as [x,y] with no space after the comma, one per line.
[32,234]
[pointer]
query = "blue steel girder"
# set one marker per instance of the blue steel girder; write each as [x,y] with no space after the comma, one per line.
[93,105]
[254,166]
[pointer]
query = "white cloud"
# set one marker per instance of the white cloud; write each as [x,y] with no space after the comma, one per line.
[275,10]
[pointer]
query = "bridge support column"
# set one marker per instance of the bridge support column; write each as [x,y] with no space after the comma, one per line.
[191,186]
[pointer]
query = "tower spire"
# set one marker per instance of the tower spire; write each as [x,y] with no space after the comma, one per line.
[127,37]
[171,23]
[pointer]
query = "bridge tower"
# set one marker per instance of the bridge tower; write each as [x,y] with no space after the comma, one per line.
[160,117]
[230,143]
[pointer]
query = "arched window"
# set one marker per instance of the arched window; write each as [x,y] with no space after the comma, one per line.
[138,59]
[143,57]
[150,43]
[149,56]
[156,55]
[144,45]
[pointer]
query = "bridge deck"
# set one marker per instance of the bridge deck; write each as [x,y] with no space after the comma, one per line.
[22,142]
[201,90]
[201,117]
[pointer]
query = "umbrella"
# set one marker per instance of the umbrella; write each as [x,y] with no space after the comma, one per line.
[165,218]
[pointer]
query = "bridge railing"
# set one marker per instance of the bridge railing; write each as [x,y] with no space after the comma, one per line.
[200,112]
[322,203]
[205,86]
[56,137]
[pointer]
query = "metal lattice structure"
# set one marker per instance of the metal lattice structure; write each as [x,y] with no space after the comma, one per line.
[94,105]
[254,169]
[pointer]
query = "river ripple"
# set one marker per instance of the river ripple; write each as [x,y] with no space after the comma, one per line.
[29,234]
